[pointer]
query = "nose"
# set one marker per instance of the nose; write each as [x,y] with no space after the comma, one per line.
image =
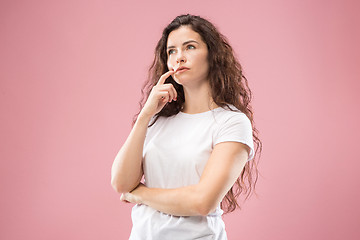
[180,57]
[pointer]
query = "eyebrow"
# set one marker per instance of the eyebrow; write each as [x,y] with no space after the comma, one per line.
[184,43]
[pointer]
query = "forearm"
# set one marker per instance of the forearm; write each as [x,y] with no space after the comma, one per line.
[184,201]
[126,170]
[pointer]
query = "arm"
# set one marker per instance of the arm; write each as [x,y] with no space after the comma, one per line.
[126,171]
[224,166]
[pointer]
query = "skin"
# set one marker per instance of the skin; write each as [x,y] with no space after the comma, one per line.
[227,159]
[194,56]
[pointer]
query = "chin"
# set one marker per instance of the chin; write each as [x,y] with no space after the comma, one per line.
[179,81]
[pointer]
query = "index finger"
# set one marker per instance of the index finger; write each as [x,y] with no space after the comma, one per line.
[164,77]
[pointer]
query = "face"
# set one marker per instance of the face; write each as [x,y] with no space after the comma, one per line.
[185,48]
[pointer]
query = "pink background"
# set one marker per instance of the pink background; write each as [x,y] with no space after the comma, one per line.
[71,73]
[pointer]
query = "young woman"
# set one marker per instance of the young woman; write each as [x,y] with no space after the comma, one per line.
[193,139]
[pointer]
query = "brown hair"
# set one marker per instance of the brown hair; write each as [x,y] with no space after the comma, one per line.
[228,87]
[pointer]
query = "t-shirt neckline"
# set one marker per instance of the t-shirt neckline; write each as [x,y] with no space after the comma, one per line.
[199,114]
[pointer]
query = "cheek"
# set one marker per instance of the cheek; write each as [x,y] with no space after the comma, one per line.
[203,62]
[201,58]
[170,63]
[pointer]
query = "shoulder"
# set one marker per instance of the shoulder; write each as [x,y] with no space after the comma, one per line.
[234,126]
[230,123]
[227,115]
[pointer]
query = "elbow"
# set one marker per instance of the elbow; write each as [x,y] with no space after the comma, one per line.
[204,205]
[119,188]
[205,210]
[116,187]
[122,187]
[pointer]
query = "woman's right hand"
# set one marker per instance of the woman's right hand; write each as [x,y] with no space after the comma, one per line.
[160,94]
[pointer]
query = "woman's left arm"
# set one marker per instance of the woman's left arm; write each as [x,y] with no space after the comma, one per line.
[224,166]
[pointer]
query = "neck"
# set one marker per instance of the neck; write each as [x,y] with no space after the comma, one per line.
[198,99]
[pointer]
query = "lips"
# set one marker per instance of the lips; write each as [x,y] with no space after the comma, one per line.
[181,69]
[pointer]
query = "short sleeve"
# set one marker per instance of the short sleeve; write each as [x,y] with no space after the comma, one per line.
[235,128]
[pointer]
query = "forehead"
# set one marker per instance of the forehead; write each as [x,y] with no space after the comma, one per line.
[183,34]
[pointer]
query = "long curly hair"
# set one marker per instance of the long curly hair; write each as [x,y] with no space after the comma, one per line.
[228,86]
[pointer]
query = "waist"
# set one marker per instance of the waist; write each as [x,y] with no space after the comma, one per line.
[144,209]
[150,222]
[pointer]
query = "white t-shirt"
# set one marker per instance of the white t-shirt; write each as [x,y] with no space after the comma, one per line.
[175,153]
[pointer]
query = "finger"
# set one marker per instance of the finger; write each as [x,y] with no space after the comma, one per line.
[123,198]
[176,67]
[171,90]
[174,96]
[164,96]
[164,77]
[174,91]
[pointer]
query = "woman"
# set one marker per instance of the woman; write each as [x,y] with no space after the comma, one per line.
[192,140]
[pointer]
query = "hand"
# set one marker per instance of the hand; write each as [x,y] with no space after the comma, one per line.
[160,94]
[134,195]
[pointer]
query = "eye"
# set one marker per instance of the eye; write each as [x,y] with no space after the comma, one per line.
[190,46]
[170,51]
